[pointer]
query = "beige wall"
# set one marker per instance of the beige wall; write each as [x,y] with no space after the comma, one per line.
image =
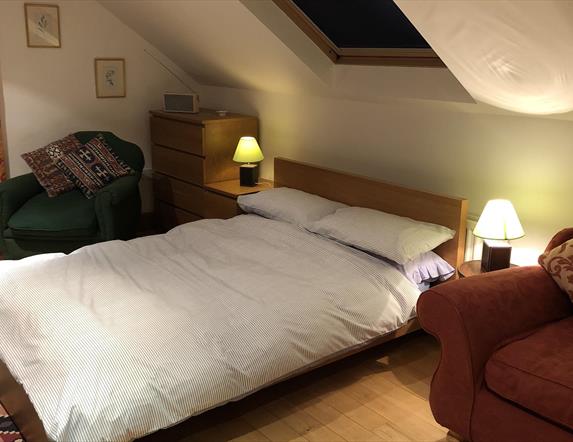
[50,92]
[469,150]
[414,126]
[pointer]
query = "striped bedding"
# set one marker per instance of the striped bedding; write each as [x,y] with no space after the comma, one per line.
[120,339]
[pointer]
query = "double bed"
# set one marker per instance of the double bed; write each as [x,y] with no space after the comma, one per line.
[121,339]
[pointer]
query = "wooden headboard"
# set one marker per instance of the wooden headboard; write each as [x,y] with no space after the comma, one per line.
[356,190]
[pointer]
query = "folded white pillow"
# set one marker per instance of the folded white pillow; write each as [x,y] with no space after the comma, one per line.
[394,237]
[290,205]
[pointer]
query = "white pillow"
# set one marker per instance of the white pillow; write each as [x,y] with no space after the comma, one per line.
[426,268]
[394,237]
[291,205]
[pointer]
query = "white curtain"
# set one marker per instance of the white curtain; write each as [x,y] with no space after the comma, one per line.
[515,54]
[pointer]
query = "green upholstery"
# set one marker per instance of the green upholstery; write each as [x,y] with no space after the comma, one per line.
[70,215]
[32,223]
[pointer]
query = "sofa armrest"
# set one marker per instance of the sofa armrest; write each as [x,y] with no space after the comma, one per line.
[14,193]
[118,207]
[118,190]
[472,317]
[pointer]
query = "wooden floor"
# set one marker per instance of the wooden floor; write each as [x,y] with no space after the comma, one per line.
[377,395]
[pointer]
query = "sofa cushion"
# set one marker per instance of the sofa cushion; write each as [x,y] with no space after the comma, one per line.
[559,238]
[558,262]
[536,372]
[128,152]
[92,166]
[43,164]
[69,215]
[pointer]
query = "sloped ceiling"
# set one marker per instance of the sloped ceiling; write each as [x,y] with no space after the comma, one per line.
[251,44]
[217,42]
[512,55]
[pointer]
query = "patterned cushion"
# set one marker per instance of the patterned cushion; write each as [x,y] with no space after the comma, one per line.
[559,264]
[9,432]
[43,164]
[92,166]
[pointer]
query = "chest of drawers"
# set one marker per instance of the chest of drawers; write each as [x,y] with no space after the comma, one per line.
[190,151]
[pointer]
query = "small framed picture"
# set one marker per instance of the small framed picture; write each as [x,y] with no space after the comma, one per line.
[110,77]
[42,25]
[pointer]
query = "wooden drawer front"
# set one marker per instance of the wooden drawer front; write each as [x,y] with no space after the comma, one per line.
[177,164]
[180,194]
[170,216]
[177,135]
[219,206]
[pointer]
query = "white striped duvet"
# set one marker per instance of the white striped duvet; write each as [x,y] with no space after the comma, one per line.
[120,339]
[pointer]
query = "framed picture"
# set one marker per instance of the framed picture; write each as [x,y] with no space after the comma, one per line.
[110,77]
[42,25]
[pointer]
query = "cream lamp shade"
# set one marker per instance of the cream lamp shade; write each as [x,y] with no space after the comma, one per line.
[499,221]
[248,151]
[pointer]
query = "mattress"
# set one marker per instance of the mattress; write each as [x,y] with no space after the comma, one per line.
[120,339]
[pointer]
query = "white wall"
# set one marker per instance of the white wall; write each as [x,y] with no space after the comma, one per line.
[468,150]
[49,93]
[413,126]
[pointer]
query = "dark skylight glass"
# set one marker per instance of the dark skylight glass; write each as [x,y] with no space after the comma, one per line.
[363,23]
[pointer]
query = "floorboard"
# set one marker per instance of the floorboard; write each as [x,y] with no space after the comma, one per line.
[377,395]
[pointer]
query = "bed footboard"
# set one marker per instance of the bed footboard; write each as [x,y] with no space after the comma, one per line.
[15,401]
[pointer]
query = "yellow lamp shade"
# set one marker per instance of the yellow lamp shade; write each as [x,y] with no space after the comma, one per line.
[499,221]
[248,151]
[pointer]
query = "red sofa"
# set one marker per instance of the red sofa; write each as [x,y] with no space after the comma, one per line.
[506,368]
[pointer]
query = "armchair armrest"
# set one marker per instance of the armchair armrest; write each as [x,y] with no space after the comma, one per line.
[14,193]
[118,207]
[118,190]
[472,317]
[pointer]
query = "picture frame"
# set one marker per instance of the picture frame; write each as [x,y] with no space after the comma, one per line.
[110,79]
[42,25]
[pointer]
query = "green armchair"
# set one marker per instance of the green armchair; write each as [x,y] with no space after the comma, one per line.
[32,223]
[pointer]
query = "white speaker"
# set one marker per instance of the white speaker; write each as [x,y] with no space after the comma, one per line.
[188,103]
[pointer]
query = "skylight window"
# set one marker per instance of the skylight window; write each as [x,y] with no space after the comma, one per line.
[361,32]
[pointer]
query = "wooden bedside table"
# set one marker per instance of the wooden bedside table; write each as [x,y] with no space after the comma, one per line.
[472,268]
[232,188]
[221,197]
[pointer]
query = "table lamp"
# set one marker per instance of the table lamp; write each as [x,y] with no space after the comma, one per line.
[248,152]
[497,225]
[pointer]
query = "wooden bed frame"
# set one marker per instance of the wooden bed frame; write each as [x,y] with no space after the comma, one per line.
[356,190]
[335,185]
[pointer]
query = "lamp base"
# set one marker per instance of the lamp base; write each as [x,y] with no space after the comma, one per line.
[249,174]
[495,255]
